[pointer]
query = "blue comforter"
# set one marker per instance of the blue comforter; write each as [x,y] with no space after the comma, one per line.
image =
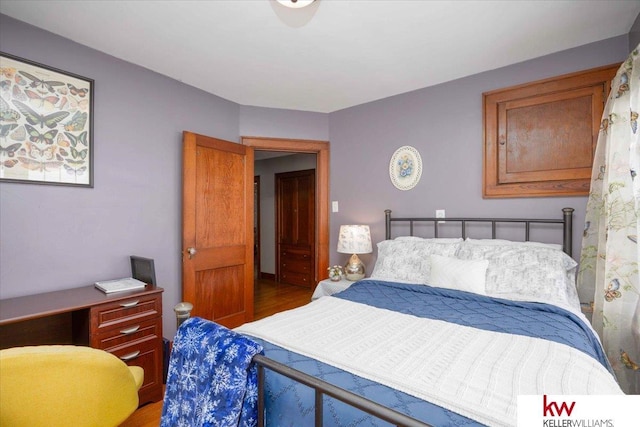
[290,404]
[493,314]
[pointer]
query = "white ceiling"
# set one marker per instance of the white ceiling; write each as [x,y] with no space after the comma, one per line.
[332,55]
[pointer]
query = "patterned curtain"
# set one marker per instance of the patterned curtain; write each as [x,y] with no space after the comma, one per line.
[610,253]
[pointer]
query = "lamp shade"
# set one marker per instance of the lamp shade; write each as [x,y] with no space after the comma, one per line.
[354,239]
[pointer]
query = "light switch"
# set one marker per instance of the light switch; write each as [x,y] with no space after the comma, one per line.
[334,206]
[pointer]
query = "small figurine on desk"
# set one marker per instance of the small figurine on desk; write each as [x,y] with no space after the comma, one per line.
[335,273]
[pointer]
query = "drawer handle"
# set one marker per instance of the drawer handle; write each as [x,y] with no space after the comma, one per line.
[130,330]
[129,304]
[130,356]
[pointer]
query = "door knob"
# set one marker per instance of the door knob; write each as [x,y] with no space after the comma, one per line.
[191,252]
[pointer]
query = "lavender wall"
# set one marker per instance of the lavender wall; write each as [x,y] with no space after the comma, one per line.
[444,123]
[62,237]
[55,238]
[278,123]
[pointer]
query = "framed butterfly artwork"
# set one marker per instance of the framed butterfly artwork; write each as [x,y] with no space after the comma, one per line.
[46,124]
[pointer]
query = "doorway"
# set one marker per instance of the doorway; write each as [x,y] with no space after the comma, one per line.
[321,150]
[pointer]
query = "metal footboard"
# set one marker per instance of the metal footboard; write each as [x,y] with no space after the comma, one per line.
[321,388]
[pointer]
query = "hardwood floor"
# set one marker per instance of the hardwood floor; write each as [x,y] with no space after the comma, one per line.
[272,297]
[146,416]
[269,298]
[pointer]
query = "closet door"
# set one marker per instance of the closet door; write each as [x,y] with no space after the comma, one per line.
[295,229]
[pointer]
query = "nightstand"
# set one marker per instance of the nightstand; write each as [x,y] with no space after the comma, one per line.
[329,287]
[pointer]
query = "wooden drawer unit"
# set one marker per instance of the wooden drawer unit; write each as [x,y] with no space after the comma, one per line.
[146,354]
[295,266]
[131,328]
[125,334]
[295,279]
[136,308]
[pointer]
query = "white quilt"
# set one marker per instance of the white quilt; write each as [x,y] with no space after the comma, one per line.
[474,372]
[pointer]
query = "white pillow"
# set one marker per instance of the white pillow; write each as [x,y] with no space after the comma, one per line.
[430,239]
[408,260]
[527,272]
[459,274]
[501,242]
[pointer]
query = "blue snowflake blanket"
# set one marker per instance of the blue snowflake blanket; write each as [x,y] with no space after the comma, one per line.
[211,381]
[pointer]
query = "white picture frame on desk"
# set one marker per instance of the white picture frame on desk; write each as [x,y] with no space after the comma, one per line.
[143,269]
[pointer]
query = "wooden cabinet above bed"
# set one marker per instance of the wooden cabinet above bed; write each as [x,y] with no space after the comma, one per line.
[540,137]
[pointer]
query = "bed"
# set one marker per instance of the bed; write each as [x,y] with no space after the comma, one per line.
[445,332]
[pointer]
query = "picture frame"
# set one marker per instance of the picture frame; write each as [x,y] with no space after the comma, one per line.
[46,124]
[405,168]
[143,269]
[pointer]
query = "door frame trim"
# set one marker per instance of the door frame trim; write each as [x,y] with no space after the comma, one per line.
[321,149]
[256,221]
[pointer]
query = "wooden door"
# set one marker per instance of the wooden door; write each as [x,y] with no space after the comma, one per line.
[217,258]
[295,227]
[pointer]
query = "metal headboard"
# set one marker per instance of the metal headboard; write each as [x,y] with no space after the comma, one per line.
[566,221]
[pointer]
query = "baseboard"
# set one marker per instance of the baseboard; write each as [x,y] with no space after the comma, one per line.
[267,276]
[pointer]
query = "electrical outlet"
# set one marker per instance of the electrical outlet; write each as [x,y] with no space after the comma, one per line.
[334,206]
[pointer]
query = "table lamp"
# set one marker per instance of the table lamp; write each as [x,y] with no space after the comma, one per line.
[354,239]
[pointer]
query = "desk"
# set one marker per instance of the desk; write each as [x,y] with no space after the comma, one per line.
[127,324]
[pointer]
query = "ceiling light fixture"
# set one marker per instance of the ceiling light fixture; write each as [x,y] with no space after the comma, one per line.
[295,4]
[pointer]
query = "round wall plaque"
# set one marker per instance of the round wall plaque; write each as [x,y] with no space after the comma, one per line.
[405,168]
